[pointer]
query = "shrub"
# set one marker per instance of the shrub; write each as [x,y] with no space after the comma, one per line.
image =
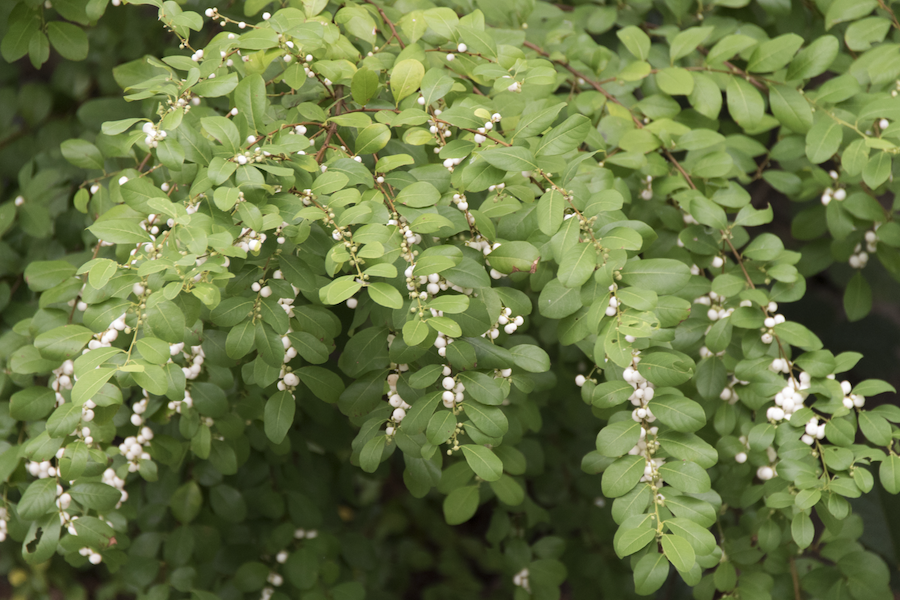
[339,247]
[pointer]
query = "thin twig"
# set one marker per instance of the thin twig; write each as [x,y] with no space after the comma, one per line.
[390,24]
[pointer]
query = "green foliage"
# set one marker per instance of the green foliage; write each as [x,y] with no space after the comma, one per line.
[319,249]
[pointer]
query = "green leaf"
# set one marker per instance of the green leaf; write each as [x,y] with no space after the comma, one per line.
[630,538]
[685,476]
[419,195]
[889,472]
[679,551]
[371,454]
[565,137]
[857,297]
[531,358]
[650,573]
[551,211]
[635,40]
[186,502]
[166,320]
[405,78]
[662,275]
[460,504]
[802,530]
[90,383]
[484,462]
[37,499]
[611,393]
[32,403]
[841,11]
[679,413]
[823,140]
[578,264]
[61,343]
[489,419]
[364,86]
[97,496]
[440,427]
[774,54]
[82,153]
[814,59]
[618,438]
[701,539]
[675,81]
[385,295]
[250,99]
[791,108]
[621,476]
[69,40]
[687,41]
[482,387]
[372,139]
[508,490]
[279,416]
[745,103]
[339,290]
[514,158]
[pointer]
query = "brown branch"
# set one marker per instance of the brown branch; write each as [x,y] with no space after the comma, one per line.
[390,24]
[681,170]
[586,79]
[887,9]
[795,577]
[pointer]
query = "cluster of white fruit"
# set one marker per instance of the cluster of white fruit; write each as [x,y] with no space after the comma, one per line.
[133,448]
[645,446]
[288,380]
[454,391]
[716,304]
[105,338]
[851,400]
[860,258]
[790,399]
[482,245]
[507,321]
[399,405]
[62,380]
[769,323]
[741,457]
[813,430]
[309,534]
[481,136]
[4,520]
[502,373]
[154,134]
[255,154]
[442,340]
[767,472]
[830,194]
[111,479]
[250,240]
[176,405]
[515,86]
[612,308]
[728,393]
[193,360]
[42,469]
[643,392]
[94,557]
[647,192]
[459,199]
[520,579]
[461,48]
